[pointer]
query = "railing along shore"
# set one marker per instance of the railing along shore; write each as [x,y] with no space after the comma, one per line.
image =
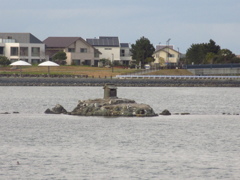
[173,77]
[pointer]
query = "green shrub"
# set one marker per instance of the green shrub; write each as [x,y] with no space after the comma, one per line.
[4,61]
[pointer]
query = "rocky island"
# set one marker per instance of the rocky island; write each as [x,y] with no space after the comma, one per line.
[110,105]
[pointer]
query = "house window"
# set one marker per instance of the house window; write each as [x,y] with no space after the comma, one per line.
[76,62]
[122,53]
[71,49]
[170,55]
[14,51]
[87,62]
[23,51]
[35,61]
[96,55]
[108,48]
[83,50]
[1,50]
[35,51]
[96,63]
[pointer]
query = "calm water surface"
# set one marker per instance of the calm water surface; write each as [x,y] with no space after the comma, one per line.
[203,145]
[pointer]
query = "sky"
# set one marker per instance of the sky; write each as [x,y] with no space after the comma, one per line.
[184,22]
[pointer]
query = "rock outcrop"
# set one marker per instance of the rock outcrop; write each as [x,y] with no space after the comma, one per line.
[108,107]
[165,113]
[112,107]
[58,109]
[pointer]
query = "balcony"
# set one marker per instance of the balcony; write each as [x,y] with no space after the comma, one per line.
[7,40]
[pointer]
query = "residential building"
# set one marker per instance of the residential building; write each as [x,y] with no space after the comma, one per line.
[166,56]
[125,54]
[111,49]
[108,46]
[78,51]
[22,46]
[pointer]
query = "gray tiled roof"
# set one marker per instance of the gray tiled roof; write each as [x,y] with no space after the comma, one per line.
[126,45]
[162,48]
[104,41]
[60,42]
[158,47]
[20,37]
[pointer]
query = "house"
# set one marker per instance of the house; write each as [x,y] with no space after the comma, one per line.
[112,49]
[108,46]
[22,46]
[166,56]
[125,54]
[78,51]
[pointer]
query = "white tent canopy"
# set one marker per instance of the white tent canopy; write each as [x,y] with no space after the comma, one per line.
[20,63]
[48,64]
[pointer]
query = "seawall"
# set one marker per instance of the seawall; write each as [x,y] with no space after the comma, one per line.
[61,81]
[215,71]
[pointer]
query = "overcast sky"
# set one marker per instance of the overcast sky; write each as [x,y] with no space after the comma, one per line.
[185,22]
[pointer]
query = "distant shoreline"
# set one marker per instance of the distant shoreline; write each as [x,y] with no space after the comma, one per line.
[50,81]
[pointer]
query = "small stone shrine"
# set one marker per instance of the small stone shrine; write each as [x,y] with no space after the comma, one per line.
[110,91]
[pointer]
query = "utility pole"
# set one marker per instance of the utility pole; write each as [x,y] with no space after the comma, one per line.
[168,50]
[178,61]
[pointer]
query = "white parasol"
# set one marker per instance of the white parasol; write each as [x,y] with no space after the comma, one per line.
[48,64]
[20,63]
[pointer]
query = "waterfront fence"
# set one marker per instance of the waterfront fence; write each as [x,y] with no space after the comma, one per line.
[174,77]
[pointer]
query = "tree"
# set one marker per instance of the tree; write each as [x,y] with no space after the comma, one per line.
[162,62]
[149,60]
[195,54]
[142,50]
[60,57]
[198,53]
[210,57]
[105,61]
[211,47]
[4,61]
[226,56]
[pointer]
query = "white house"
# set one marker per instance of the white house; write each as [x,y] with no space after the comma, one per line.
[111,49]
[108,46]
[125,54]
[22,46]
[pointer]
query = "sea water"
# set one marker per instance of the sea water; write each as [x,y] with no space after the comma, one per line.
[202,145]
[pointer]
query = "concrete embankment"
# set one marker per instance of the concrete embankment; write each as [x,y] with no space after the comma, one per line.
[36,81]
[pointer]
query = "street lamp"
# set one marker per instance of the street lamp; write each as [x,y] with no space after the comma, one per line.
[112,61]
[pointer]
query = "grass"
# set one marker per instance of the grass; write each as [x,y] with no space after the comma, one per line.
[90,71]
[172,72]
